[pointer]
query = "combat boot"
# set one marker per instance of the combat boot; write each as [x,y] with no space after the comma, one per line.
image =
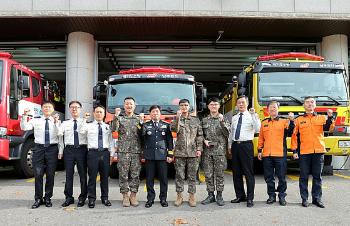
[179,199]
[219,200]
[133,199]
[126,200]
[209,199]
[192,200]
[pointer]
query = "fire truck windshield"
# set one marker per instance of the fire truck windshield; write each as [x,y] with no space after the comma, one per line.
[1,75]
[166,94]
[291,87]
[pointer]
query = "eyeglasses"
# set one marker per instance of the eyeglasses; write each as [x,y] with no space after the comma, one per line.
[184,105]
[74,107]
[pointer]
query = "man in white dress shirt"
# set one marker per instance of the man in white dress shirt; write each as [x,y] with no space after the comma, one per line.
[45,152]
[244,125]
[100,154]
[75,153]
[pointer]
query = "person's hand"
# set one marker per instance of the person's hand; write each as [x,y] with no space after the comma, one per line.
[291,116]
[221,117]
[252,111]
[86,115]
[169,160]
[178,114]
[26,111]
[330,112]
[206,142]
[198,153]
[143,160]
[117,111]
[229,151]
[60,156]
[111,160]
[260,156]
[142,117]
[56,118]
[295,156]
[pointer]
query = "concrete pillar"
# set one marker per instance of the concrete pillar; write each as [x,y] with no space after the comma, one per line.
[80,70]
[335,48]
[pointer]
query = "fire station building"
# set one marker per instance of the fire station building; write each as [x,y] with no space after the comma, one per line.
[81,42]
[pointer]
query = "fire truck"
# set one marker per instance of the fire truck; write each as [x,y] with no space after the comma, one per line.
[149,86]
[288,78]
[20,88]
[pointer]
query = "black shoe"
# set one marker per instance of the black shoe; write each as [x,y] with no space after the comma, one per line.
[37,203]
[48,203]
[149,204]
[91,204]
[106,202]
[81,203]
[67,202]
[209,199]
[238,200]
[305,203]
[282,201]
[271,200]
[219,200]
[163,203]
[318,203]
[250,203]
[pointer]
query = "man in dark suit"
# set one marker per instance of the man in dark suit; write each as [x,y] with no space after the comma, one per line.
[157,143]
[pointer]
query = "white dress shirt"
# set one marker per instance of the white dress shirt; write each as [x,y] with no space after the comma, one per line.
[66,129]
[250,125]
[38,124]
[91,132]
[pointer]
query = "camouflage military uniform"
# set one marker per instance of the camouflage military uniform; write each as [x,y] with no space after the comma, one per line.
[213,157]
[189,140]
[129,151]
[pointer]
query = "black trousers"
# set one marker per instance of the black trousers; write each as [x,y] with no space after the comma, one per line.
[72,157]
[311,164]
[275,166]
[44,162]
[243,164]
[161,167]
[98,162]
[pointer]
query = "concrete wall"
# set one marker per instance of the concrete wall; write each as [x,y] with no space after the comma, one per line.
[293,9]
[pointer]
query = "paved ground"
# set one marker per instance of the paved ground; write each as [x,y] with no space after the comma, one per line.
[16,197]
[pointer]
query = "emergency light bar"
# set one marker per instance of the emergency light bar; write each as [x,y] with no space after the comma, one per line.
[290,56]
[149,70]
[5,55]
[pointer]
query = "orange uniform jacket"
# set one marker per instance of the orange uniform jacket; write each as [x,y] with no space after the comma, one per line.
[310,128]
[272,136]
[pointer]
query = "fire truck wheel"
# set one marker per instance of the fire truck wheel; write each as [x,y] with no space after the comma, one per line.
[23,166]
[113,171]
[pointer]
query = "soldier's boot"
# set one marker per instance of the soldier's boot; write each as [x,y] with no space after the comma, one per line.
[192,200]
[209,199]
[126,200]
[219,200]
[179,199]
[133,199]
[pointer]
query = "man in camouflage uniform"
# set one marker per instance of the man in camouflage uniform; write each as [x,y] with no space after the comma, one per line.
[188,149]
[128,127]
[216,132]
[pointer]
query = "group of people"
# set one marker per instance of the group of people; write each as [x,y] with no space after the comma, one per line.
[89,146]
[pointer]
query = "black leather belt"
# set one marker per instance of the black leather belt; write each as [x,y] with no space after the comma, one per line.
[76,146]
[43,145]
[242,142]
[94,149]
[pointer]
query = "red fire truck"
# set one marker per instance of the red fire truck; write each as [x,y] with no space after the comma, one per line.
[20,88]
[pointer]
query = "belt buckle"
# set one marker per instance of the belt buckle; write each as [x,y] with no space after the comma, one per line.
[238,142]
[76,146]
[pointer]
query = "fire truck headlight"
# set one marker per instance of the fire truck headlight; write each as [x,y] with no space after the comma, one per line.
[3,131]
[344,143]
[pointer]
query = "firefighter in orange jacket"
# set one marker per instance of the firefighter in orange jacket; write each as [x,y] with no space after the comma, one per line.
[272,149]
[309,128]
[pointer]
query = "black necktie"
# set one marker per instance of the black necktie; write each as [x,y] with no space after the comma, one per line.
[155,124]
[47,133]
[239,125]
[76,136]
[100,137]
